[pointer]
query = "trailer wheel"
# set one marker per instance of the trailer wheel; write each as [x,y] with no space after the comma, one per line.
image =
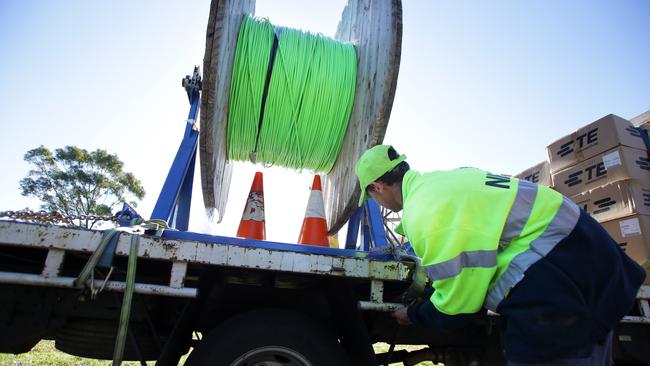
[271,337]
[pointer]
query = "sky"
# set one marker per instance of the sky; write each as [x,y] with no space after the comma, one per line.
[482,84]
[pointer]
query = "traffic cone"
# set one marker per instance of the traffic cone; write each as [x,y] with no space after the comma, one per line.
[252,220]
[314,226]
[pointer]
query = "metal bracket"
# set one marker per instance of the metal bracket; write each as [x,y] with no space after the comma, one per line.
[126,215]
[173,205]
[376,302]
[369,220]
[192,84]
[53,262]
[377,291]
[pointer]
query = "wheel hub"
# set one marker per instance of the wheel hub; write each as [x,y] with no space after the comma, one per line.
[272,356]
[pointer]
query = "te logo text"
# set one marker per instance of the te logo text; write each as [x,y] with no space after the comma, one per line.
[592,172]
[584,139]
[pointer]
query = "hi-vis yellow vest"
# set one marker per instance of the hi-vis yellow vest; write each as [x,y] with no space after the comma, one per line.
[477,233]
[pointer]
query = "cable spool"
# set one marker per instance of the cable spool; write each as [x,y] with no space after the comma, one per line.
[374,27]
[291,95]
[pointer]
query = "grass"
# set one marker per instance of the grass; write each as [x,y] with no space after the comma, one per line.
[44,354]
[383,347]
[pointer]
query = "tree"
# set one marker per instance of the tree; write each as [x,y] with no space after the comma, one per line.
[73,181]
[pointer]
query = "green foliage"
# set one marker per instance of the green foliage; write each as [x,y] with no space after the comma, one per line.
[73,181]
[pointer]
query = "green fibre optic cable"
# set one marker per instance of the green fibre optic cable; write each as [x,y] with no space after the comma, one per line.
[309,100]
[247,85]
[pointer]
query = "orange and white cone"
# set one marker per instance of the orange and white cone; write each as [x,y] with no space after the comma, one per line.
[252,224]
[314,226]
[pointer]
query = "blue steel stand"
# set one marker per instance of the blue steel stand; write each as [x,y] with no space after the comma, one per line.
[175,198]
[373,234]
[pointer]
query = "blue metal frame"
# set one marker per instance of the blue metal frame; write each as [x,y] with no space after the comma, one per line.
[367,218]
[353,228]
[375,226]
[175,198]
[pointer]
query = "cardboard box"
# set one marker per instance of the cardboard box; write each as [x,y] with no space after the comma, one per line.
[645,132]
[614,165]
[618,199]
[645,126]
[632,233]
[539,174]
[591,140]
[641,119]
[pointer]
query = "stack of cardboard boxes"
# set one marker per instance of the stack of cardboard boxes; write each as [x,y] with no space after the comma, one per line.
[604,168]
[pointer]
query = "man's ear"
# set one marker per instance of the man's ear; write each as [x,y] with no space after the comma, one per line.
[378,186]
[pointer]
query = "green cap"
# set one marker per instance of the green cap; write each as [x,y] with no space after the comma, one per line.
[372,165]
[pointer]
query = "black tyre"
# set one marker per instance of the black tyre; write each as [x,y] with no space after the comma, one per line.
[270,337]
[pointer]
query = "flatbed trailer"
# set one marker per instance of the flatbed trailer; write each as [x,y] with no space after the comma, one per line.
[40,264]
[232,291]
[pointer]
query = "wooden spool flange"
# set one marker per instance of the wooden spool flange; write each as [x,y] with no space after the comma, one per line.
[374,27]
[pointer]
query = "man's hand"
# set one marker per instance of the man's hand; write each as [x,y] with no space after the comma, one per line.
[401,316]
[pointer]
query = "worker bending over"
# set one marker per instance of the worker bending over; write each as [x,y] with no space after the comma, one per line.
[559,282]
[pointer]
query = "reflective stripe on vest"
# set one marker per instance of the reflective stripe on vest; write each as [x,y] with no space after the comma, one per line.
[519,213]
[453,267]
[562,224]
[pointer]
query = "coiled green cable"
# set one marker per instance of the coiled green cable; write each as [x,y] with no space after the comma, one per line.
[309,100]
